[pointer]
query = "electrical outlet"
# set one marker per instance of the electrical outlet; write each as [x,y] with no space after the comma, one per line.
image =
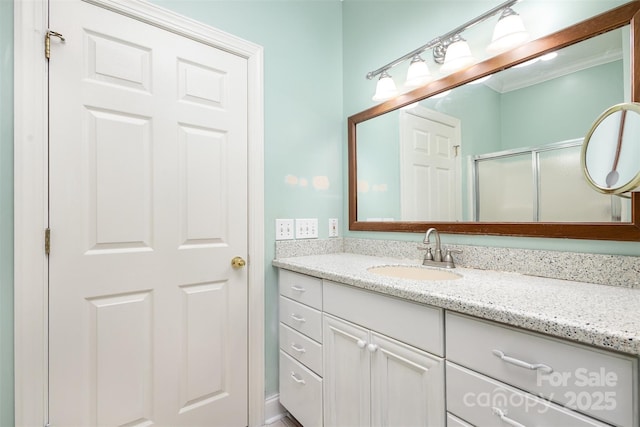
[333,227]
[284,229]
[307,228]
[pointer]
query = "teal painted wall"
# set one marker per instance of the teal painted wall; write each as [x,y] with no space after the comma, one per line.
[560,109]
[6,213]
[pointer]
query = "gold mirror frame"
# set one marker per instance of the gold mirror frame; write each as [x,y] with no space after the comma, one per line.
[628,14]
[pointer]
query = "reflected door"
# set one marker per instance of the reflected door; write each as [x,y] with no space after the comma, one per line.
[148,205]
[429,166]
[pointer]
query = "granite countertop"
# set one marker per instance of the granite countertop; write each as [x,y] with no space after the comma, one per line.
[599,315]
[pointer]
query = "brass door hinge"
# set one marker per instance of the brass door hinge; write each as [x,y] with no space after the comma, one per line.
[47,241]
[47,42]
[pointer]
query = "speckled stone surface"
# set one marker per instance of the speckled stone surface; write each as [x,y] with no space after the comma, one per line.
[614,270]
[603,316]
[291,248]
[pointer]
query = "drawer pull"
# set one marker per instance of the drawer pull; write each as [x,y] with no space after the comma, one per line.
[534,367]
[505,419]
[298,318]
[361,343]
[298,349]
[298,288]
[372,347]
[296,379]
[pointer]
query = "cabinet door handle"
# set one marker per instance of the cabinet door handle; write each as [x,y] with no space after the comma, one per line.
[361,343]
[296,379]
[503,416]
[298,318]
[298,349]
[372,347]
[534,367]
[298,288]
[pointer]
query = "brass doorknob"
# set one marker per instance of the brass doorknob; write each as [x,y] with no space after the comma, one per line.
[238,262]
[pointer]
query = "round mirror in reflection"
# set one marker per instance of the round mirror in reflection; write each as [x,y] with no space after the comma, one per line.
[611,150]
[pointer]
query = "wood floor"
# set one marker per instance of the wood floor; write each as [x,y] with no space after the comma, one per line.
[285,422]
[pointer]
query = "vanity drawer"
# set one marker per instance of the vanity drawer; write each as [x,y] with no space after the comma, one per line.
[483,401]
[596,382]
[302,318]
[300,391]
[301,348]
[453,421]
[301,288]
[414,324]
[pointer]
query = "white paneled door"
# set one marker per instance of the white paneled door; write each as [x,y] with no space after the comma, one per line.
[430,166]
[148,206]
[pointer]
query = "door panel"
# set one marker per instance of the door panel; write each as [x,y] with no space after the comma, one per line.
[120,182]
[148,191]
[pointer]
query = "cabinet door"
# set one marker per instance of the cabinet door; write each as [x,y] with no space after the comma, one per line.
[407,385]
[346,374]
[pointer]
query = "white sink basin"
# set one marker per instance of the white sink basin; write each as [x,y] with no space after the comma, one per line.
[414,272]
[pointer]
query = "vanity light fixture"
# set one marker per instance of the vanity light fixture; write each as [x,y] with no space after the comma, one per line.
[457,56]
[418,73]
[549,56]
[386,88]
[508,33]
[452,51]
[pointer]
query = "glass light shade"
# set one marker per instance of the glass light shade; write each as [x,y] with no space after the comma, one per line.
[442,94]
[418,73]
[458,56]
[526,64]
[480,80]
[385,89]
[509,32]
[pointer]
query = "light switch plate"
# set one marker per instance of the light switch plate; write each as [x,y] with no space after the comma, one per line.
[307,228]
[284,229]
[333,227]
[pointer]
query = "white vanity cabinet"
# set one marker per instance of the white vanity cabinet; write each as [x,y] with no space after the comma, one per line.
[371,378]
[301,346]
[499,372]
[354,357]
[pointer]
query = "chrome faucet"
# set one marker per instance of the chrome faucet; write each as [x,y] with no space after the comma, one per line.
[436,259]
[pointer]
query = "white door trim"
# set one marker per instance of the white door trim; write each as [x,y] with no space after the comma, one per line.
[31,204]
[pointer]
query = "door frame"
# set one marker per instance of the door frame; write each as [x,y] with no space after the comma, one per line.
[31,197]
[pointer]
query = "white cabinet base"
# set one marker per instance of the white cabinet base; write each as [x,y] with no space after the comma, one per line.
[300,391]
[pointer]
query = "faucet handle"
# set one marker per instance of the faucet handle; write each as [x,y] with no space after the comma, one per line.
[449,259]
[429,255]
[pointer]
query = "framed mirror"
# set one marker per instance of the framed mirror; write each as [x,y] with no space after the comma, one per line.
[523,164]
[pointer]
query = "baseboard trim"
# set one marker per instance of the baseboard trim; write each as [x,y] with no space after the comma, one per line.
[273,410]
